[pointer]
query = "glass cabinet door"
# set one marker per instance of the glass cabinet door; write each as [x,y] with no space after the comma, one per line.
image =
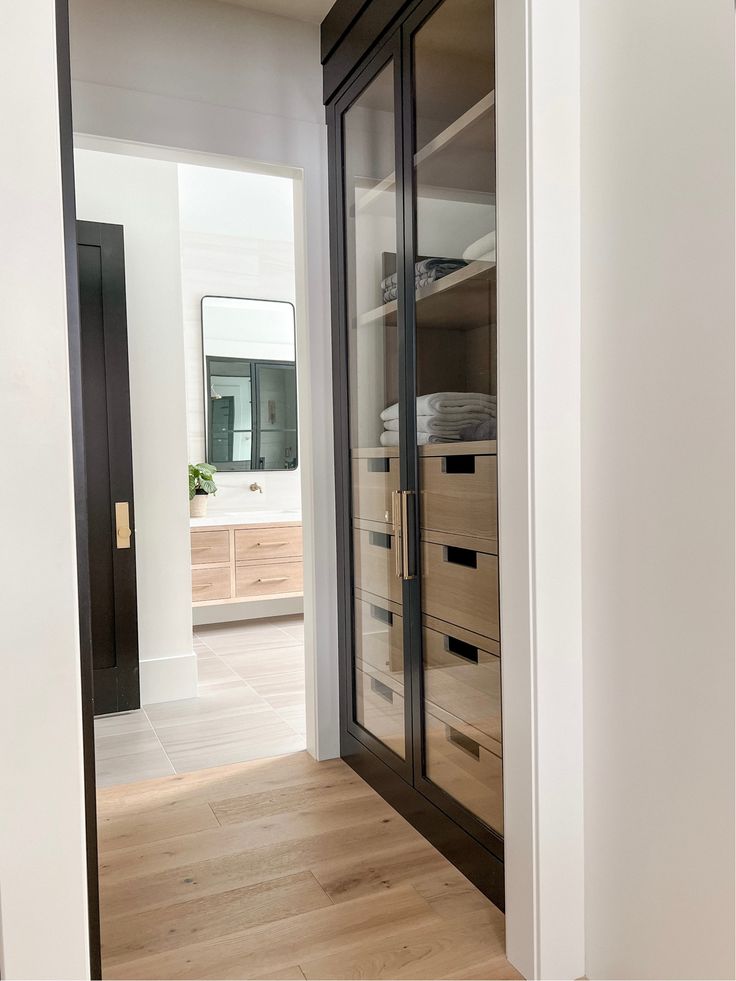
[370,228]
[453,271]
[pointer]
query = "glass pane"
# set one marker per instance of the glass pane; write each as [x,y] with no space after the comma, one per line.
[455,284]
[370,217]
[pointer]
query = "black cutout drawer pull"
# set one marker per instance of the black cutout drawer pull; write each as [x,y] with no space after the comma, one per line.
[464,463]
[385,616]
[379,465]
[462,649]
[461,556]
[379,539]
[382,690]
[463,742]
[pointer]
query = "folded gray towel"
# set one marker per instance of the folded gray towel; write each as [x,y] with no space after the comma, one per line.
[486,429]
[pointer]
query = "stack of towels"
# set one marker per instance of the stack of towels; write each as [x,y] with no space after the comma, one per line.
[426,271]
[445,417]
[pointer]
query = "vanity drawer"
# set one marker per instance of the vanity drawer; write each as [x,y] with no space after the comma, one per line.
[465,680]
[459,495]
[379,638]
[374,479]
[210,584]
[375,563]
[254,544]
[465,769]
[266,578]
[380,710]
[460,585]
[210,547]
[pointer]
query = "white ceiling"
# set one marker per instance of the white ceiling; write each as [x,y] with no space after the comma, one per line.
[312,11]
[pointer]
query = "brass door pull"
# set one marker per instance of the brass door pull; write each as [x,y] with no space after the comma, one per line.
[406,569]
[122,524]
[396,515]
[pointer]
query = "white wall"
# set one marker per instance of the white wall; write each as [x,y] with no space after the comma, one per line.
[207,76]
[658,486]
[142,196]
[43,893]
[237,239]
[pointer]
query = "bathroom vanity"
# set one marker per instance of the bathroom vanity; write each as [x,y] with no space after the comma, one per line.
[239,558]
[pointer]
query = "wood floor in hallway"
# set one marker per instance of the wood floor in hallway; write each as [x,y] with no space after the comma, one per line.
[282,868]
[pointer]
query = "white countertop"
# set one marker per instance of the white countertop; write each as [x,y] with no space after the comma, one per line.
[246,518]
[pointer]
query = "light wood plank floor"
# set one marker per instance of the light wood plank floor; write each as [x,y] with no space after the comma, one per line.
[282,868]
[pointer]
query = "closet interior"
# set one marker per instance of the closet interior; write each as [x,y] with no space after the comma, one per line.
[414,279]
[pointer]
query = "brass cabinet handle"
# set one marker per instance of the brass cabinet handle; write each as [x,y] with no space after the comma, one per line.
[405,552]
[261,544]
[396,516]
[122,524]
[275,579]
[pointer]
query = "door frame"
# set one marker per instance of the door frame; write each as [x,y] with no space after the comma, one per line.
[66,145]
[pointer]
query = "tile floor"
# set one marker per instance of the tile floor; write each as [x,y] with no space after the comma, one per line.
[250,705]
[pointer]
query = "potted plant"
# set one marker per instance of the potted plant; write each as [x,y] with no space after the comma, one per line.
[201,485]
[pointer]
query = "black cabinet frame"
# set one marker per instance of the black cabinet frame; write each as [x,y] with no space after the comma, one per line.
[467,841]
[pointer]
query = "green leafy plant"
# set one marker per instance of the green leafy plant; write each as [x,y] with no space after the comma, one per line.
[200,479]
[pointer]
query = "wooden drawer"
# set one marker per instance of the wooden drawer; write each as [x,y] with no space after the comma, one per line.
[460,586]
[375,563]
[379,638]
[464,680]
[458,495]
[374,479]
[210,584]
[210,547]
[254,544]
[267,578]
[380,710]
[465,769]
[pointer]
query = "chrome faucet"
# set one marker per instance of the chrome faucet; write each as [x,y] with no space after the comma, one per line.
[256,487]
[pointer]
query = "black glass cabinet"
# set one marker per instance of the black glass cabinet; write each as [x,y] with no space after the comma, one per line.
[410,95]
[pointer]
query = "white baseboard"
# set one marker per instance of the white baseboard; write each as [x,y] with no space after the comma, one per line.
[166,679]
[247,610]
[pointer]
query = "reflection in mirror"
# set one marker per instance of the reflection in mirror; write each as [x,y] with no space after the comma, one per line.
[249,383]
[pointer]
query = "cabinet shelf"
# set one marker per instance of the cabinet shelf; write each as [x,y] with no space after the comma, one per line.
[463,135]
[462,300]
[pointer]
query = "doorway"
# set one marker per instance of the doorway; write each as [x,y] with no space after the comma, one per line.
[211,293]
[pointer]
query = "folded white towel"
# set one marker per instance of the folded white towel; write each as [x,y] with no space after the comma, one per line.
[442,425]
[391,438]
[484,249]
[451,403]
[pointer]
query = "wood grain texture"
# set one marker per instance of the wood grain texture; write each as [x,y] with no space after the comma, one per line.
[307,874]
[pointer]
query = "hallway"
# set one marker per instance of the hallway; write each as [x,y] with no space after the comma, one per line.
[305,871]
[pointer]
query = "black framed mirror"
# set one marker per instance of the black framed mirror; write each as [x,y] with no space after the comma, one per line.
[250,394]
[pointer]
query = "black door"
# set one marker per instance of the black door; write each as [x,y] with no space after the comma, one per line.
[107,439]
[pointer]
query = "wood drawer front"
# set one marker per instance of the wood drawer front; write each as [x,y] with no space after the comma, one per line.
[210,584]
[254,544]
[465,769]
[461,586]
[379,639]
[464,680]
[374,478]
[459,495]
[267,578]
[210,547]
[374,560]
[380,710]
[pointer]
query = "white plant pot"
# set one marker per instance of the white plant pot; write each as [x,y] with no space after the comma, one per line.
[198,506]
